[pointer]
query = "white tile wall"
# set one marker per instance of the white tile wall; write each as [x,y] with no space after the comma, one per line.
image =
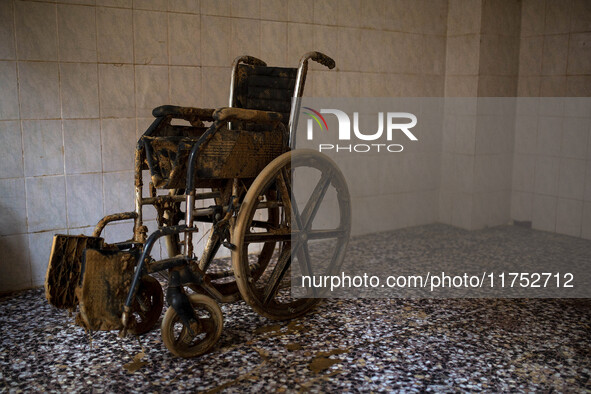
[79,90]
[78,82]
[11,157]
[42,147]
[39,90]
[8,91]
[77,43]
[46,203]
[82,137]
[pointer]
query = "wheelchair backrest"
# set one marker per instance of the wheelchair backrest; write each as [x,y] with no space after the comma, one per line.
[264,88]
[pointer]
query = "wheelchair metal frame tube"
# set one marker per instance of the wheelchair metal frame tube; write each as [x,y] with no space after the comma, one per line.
[138,221]
[240,59]
[139,271]
[295,102]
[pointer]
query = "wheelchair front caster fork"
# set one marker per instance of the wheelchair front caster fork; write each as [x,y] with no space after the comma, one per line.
[178,300]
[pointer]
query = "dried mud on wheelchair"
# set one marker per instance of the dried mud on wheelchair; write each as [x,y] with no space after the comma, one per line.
[232,172]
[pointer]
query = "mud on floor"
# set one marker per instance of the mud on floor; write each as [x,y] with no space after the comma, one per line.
[346,345]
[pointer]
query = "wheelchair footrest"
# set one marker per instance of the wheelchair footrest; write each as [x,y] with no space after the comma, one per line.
[106,279]
[63,270]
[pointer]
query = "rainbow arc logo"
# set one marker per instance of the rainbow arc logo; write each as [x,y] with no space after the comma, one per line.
[317,117]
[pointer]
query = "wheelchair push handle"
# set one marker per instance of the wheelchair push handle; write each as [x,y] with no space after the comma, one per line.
[321,58]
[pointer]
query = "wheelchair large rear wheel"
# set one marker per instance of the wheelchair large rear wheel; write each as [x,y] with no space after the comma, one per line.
[310,238]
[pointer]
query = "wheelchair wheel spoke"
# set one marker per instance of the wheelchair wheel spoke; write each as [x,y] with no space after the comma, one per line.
[264,237]
[278,273]
[316,198]
[313,230]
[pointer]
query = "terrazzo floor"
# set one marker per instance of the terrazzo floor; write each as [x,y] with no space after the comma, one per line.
[408,345]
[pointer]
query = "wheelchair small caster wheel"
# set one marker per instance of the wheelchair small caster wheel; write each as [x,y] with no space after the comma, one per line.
[147,306]
[179,340]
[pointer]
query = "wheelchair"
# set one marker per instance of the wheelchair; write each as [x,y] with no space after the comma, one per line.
[241,159]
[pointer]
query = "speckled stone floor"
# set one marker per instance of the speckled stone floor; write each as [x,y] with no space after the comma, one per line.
[354,345]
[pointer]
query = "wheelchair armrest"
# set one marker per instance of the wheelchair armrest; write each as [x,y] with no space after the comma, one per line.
[248,115]
[187,113]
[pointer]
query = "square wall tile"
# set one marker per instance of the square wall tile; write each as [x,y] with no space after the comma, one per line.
[325,84]
[300,38]
[40,248]
[526,134]
[7,50]
[521,206]
[463,55]
[11,149]
[530,56]
[579,54]
[184,6]
[464,17]
[552,86]
[557,17]
[43,147]
[578,86]
[216,33]
[118,192]
[372,14]
[82,146]
[348,50]
[246,35]
[39,90]
[301,11]
[580,16]
[216,86]
[8,91]
[157,5]
[546,175]
[15,268]
[533,13]
[79,90]
[462,210]
[215,7]
[114,35]
[348,13]
[544,213]
[184,37]
[150,37]
[46,203]
[274,10]
[523,172]
[185,86]
[13,213]
[572,179]
[36,30]
[117,98]
[118,144]
[151,88]
[347,84]
[549,136]
[245,9]
[85,199]
[274,43]
[555,54]
[569,214]
[77,33]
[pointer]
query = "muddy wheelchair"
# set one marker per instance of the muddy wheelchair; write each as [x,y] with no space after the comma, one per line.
[230,171]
